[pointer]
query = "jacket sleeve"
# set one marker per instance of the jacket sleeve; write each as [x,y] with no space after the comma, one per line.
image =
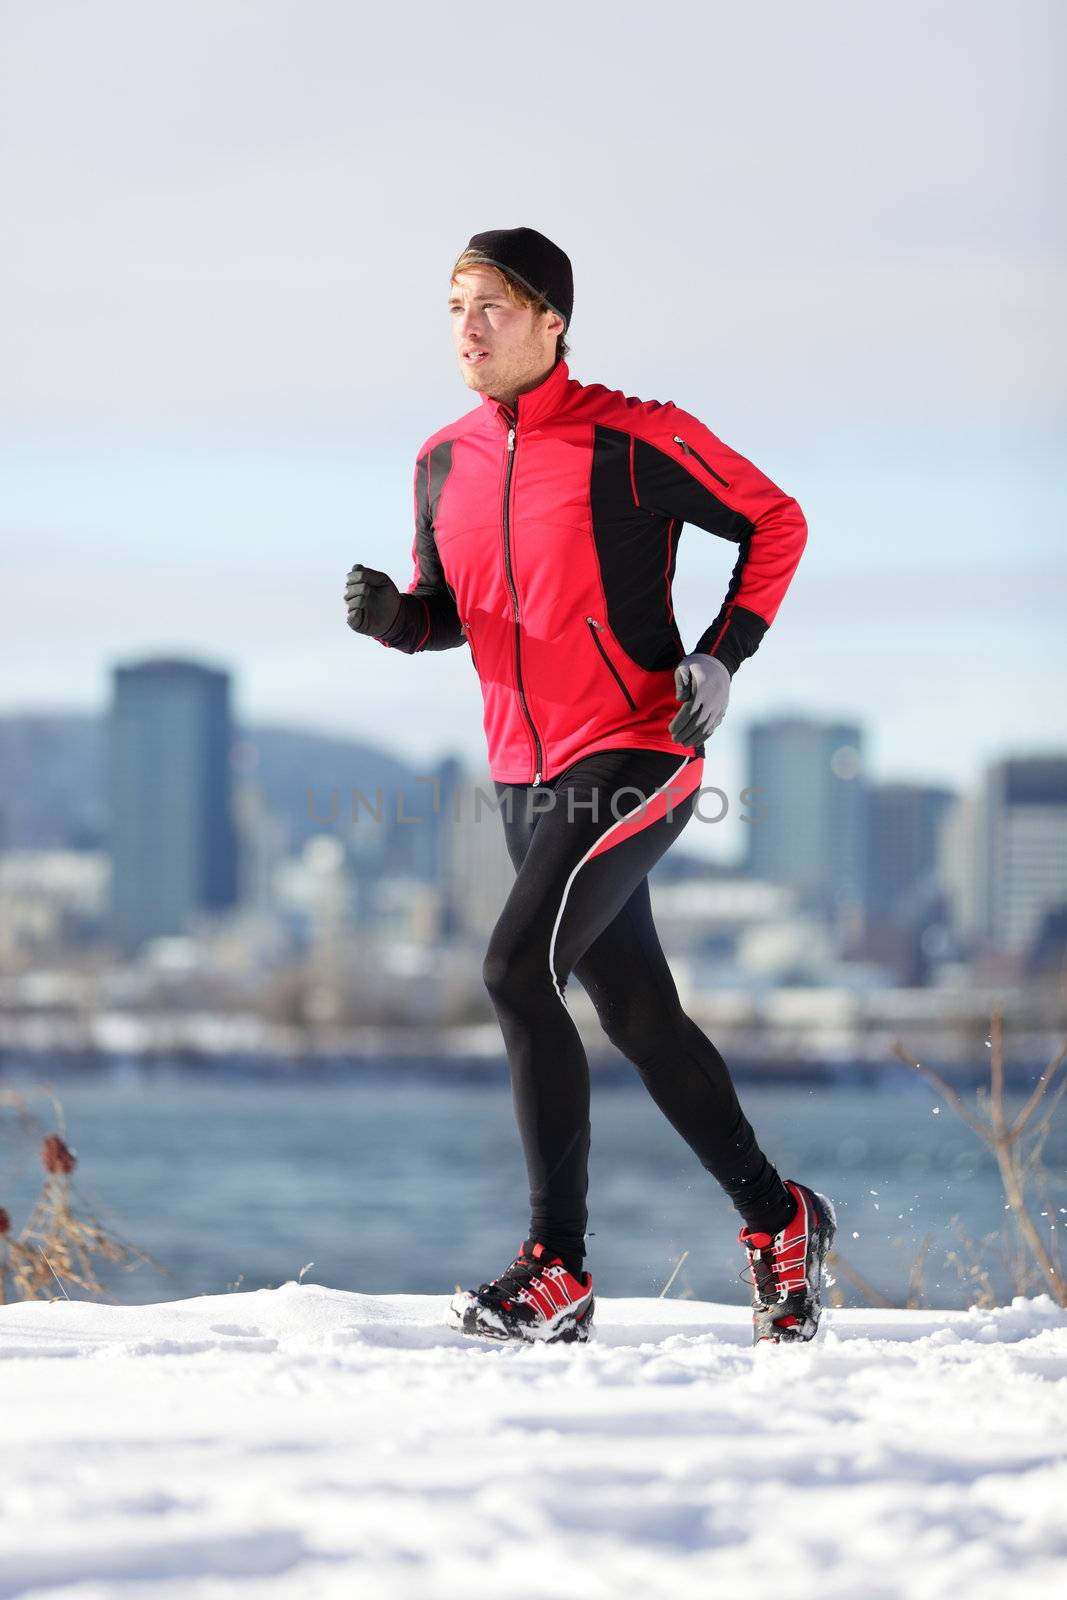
[427,619]
[689,474]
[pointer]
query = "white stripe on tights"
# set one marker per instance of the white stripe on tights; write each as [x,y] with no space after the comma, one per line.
[626,817]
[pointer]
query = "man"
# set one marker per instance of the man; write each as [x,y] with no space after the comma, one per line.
[546,532]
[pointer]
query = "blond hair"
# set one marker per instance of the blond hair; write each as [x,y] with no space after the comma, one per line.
[516,292]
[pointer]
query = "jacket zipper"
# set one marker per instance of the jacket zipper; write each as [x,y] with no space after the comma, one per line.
[688,448]
[515,606]
[593,628]
[470,643]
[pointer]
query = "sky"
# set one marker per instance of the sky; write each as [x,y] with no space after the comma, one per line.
[835,233]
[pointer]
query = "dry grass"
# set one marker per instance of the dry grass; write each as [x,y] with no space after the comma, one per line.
[61,1242]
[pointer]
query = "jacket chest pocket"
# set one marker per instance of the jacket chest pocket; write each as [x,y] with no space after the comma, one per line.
[596,630]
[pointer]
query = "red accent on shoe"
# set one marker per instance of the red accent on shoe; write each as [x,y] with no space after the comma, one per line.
[782,1260]
[538,1251]
[548,1292]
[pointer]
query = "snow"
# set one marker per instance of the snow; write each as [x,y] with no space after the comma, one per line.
[304,1442]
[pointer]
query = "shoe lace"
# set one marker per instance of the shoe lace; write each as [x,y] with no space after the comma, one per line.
[521,1273]
[774,1270]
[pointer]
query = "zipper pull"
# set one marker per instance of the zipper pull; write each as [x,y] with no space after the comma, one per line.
[511,438]
[593,622]
[537,778]
[688,450]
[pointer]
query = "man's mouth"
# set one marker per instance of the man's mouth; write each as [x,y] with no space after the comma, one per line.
[475,357]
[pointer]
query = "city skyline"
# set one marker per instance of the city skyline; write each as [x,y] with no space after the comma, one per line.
[727,839]
[723,840]
[177,775]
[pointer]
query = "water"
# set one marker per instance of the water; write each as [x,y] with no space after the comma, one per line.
[412,1185]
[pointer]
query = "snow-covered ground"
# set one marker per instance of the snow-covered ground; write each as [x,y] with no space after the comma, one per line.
[305,1442]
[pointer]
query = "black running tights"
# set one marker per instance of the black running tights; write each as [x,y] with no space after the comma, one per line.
[582,845]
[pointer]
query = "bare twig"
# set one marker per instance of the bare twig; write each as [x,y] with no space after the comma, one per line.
[969,1267]
[915,1277]
[1042,1130]
[54,1273]
[996,1075]
[1040,1088]
[1055,1230]
[944,1089]
[677,1268]
[872,1295]
[1003,1140]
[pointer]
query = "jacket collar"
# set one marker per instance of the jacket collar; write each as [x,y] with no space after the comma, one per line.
[535,404]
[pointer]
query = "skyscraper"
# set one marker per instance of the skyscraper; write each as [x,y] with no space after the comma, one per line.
[1023,867]
[172,840]
[809,779]
[908,903]
[904,829]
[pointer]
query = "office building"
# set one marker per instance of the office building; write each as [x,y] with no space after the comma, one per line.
[171,834]
[903,833]
[807,778]
[1023,848]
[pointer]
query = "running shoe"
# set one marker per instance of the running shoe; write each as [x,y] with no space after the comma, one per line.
[787,1269]
[536,1299]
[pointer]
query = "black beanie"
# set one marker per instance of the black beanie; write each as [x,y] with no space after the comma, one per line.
[538,263]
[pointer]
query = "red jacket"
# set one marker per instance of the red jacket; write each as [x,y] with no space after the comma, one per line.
[548,540]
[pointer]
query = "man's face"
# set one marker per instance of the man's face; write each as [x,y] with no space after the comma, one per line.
[501,348]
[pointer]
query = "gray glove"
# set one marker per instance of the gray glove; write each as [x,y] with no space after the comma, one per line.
[373,601]
[703,683]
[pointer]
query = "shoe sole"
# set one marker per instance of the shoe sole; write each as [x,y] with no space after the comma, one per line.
[466,1314]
